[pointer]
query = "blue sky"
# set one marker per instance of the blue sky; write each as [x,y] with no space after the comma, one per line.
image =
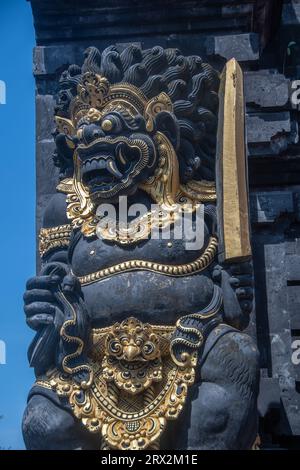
[17,160]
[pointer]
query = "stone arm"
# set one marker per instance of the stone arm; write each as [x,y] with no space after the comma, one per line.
[54,295]
[231,302]
[235,280]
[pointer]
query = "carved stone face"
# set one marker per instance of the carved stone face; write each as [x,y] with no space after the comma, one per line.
[114,154]
[111,132]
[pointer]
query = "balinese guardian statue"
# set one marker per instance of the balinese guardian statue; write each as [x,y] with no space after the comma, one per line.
[139,341]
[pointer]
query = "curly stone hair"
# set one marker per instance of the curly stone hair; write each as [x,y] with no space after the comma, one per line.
[191,84]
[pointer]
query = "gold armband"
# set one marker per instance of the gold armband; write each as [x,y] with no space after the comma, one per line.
[54,237]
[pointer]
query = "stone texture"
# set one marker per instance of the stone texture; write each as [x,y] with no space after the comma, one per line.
[291,406]
[114,20]
[293,268]
[280,335]
[46,171]
[293,294]
[243,47]
[266,207]
[45,110]
[270,133]
[291,14]
[266,89]
[263,128]
[269,395]
[53,59]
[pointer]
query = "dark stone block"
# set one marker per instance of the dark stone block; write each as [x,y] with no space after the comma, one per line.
[270,133]
[292,263]
[269,395]
[266,207]
[47,173]
[293,296]
[53,59]
[266,89]
[297,214]
[262,128]
[266,171]
[292,412]
[45,123]
[278,315]
[243,47]
[291,14]
[131,20]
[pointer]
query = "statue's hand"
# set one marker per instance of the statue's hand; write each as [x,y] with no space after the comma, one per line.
[41,307]
[236,281]
[241,281]
[50,299]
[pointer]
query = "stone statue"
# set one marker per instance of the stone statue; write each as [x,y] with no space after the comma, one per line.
[138,339]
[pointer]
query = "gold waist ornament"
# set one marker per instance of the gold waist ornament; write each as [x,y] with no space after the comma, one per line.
[137,386]
[54,237]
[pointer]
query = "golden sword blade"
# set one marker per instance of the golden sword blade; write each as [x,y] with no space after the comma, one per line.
[231,168]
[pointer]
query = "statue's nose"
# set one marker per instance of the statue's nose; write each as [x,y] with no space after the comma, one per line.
[91,132]
[131,352]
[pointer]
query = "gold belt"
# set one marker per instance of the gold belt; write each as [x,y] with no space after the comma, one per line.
[137,387]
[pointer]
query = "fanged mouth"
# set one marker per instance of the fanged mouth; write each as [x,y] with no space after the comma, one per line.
[108,167]
[100,171]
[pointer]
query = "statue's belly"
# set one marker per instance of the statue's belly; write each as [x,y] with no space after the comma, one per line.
[150,297]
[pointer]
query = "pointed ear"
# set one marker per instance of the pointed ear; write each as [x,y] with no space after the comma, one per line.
[65,145]
[167,123]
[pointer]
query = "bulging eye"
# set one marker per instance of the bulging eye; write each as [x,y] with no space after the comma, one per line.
[107,125]
[111,124]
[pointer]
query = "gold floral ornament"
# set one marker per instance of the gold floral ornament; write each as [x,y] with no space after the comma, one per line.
[154,106]
[137,387]
[65,126]
[93,90]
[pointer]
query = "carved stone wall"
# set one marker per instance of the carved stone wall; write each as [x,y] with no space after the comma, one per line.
[264,36]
